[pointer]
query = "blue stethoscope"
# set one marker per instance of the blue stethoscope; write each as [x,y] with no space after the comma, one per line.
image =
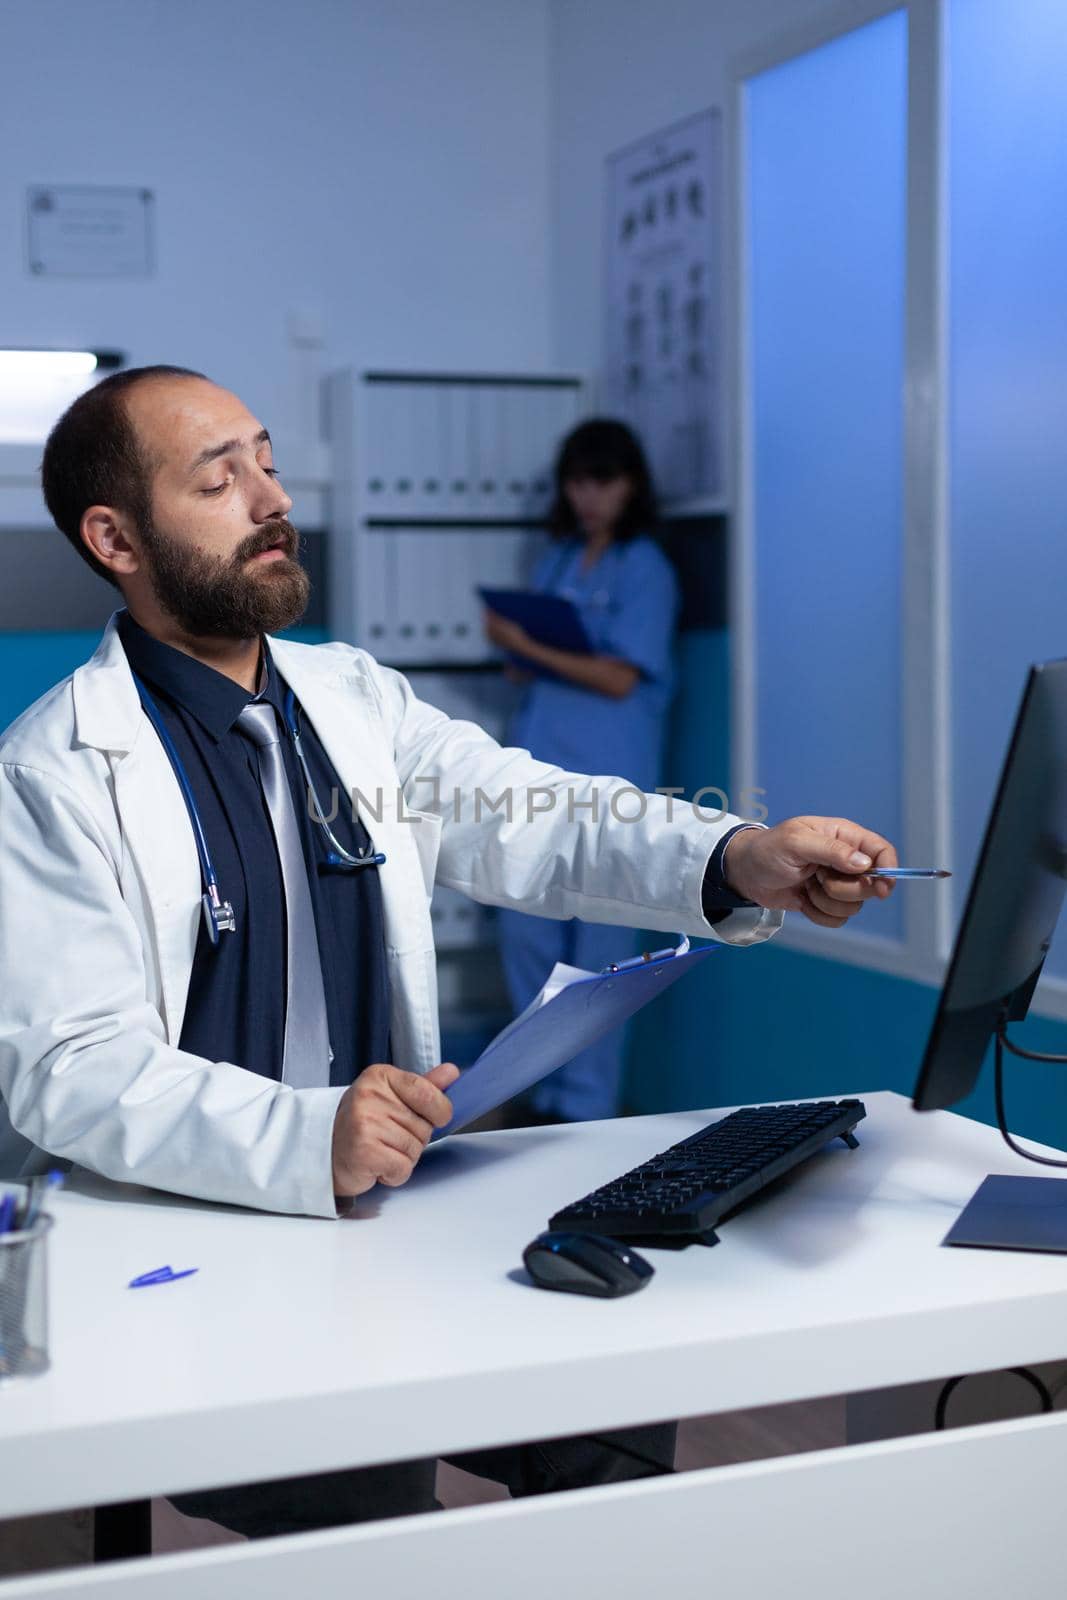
[219,915]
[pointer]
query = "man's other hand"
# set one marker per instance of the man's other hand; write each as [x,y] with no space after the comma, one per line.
[384,1122]
[814,865]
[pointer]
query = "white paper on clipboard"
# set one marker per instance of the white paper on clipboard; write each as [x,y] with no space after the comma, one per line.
[571,1011]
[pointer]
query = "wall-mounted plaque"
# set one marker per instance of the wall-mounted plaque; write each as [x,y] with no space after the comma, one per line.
[87,231]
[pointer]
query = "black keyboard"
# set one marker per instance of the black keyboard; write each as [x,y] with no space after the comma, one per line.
[679,1196]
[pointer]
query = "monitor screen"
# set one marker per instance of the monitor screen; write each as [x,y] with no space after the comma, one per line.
[1014,899]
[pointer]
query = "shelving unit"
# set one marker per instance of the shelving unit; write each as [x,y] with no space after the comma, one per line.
[441,484]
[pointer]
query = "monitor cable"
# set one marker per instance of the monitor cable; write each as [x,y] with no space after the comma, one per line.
[1003,1043]
[1039,1388]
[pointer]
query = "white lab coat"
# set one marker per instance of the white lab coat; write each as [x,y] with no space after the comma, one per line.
[100,910]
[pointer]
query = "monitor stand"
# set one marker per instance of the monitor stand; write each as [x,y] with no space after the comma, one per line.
[1010,1212]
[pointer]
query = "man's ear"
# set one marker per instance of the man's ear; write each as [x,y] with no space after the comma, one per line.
[104,533]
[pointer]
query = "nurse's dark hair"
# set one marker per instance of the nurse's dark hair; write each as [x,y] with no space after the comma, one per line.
[603,448]
[93,457]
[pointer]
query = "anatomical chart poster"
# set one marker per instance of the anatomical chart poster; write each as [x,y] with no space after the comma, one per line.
[663,345]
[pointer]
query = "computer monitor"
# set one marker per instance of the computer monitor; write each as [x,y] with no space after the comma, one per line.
[1009,920]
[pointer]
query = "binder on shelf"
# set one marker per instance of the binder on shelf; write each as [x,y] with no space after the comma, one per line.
[513,450]
[370,452]
[405,626]
[394,454]
[544,442]
[456,451]
[571,1012]
[374,592]
[409,641]
[492,496]
[536,452]
[403,401]
[464,625]
[377,475]
[465,451]
[389,450]
[428,492]
[463,466]
[444,449]
[429,579]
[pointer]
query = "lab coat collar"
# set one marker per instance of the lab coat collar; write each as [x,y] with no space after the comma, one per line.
[107,709]
[215,700]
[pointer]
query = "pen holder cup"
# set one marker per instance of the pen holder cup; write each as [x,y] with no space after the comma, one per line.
[24,1301]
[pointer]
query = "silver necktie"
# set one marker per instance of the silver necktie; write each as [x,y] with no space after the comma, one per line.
[306,1059]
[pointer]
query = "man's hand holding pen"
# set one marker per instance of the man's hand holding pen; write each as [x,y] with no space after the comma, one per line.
[814,865]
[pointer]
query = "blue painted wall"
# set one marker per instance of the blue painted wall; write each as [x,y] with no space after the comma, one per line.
[30,663]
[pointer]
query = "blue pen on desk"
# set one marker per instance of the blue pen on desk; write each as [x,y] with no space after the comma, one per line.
[908,872]
[160,1275]
[7,1213]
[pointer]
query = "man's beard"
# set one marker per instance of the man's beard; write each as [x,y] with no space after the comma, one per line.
[216,597]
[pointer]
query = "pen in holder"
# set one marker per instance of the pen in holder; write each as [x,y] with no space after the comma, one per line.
[24,1300]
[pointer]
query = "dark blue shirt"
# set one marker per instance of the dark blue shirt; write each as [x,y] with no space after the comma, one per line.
[236,1005]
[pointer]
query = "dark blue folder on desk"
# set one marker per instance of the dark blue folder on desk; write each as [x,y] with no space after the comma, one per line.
[581,1006]
[548,618]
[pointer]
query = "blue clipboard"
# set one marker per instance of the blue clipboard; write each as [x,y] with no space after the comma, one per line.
[547,1035]
[548,618]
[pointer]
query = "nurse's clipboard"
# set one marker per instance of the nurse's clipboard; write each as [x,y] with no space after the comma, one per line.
[572,1010]
[548,618]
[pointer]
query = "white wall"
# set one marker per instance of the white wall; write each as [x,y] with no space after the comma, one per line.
[620,70]
[424,176]
[382,163]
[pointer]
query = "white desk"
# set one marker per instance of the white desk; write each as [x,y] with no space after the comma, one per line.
[407,1330]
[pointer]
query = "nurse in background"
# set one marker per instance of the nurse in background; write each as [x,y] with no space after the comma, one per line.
[602,713]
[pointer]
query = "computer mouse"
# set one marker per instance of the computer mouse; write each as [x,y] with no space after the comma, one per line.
[585,1263]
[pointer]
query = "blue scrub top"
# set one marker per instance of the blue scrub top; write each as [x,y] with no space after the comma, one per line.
[629,604]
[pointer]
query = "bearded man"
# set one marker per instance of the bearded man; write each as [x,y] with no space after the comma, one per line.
[200,990]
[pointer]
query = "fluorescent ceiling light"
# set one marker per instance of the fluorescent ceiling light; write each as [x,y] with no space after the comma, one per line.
[46,364]
[37,386]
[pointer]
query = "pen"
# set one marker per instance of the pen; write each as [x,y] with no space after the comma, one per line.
[908,872]
[38,1188]
[7,1212]
[160,1275]
[638,961]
